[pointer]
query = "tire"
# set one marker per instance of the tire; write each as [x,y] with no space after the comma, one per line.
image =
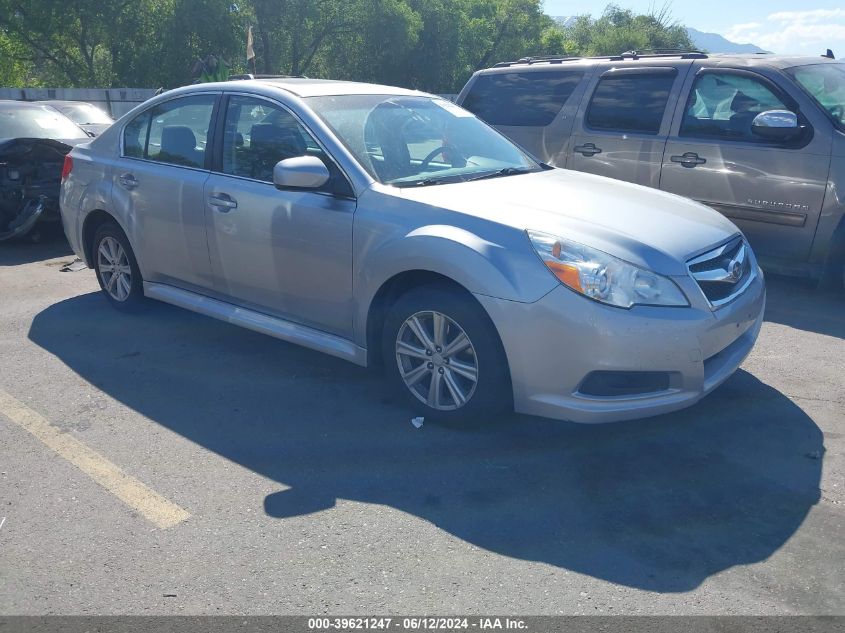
[123,287]
[440,385]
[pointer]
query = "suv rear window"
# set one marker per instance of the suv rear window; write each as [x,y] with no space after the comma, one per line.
[630,102]
[531,99]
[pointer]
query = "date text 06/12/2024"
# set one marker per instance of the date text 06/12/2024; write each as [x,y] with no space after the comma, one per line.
[415,624]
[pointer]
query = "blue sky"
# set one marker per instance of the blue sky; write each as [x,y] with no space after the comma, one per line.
[775,25]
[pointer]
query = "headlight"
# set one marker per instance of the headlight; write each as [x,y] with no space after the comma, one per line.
[603,277]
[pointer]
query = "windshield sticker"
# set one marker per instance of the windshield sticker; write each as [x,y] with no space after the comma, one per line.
[47,123]
[452,109]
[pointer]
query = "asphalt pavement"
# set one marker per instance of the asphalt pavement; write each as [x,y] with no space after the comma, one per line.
[167,463]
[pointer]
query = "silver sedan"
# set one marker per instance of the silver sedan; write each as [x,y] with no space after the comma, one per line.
[392,228]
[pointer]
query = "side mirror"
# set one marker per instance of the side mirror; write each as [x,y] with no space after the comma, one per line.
[776,125]
[301,172]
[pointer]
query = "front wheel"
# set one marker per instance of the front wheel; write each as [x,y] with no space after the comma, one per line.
[444,356]
[116,268]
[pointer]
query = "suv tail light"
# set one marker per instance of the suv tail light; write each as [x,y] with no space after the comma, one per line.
[66,167]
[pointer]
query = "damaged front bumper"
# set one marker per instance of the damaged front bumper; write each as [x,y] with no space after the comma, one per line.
[30,178]
[25,220]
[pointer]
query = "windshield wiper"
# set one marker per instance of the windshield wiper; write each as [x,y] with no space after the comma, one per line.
[425,182]
[507,171]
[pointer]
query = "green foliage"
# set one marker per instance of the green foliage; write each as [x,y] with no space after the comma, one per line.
[619,30]
[433,45]
[210,69]
[13,71]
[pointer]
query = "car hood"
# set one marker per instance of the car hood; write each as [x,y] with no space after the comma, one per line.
[644,226]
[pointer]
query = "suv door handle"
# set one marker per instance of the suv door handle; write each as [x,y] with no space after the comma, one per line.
[128,181]
[587,149]
[223,202]
[689,160]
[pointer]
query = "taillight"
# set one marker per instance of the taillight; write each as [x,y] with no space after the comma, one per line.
[67,167]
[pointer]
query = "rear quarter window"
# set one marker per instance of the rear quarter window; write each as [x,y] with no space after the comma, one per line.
[630,102]
[528,99]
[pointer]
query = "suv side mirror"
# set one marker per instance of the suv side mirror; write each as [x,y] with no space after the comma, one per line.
[301,172]
[776,125]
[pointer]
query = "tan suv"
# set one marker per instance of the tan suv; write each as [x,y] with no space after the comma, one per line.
[760,138]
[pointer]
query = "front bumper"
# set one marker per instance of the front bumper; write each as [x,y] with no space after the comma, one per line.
[552,345]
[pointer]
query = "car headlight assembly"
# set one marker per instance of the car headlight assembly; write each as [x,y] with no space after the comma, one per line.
[603,277]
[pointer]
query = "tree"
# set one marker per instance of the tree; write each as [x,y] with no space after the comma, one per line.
[619,30]
[434,45]
[13,70]
[63,38]
[195,29]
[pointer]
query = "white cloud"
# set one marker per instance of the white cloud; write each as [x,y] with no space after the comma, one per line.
[807,16]
[802,32]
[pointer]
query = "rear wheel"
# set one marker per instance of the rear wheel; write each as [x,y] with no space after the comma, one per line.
[116,268]
[444,356]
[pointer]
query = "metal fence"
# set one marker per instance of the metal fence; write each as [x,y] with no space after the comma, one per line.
[115,101]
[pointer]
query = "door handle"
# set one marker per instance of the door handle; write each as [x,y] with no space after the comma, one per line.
[688,160]
[222,202]
[587,149]
[128,181]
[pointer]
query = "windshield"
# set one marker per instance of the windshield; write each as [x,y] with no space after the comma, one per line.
[412,141]
[85,114]
[37,122]
[826,84]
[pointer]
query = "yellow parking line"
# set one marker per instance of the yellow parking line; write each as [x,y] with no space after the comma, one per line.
[132,492]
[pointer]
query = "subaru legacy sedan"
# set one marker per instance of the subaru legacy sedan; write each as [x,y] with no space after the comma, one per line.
[392,228]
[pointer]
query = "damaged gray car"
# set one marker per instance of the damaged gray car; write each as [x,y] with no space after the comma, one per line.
[34,140]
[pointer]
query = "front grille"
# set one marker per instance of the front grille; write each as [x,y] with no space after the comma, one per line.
[723,273]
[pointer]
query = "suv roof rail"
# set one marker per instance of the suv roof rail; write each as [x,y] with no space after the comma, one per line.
[549,59]
[683,53]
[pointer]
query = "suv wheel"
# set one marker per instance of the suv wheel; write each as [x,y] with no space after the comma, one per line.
[443,354]
[116,268]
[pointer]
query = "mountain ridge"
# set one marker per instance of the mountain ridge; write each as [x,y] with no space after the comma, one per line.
[715,43]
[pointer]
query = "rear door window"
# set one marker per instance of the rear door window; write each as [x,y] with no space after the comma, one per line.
[630,102]
[529,99]
[174,132]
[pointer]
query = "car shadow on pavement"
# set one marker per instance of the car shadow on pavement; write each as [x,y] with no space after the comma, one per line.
[52,244]
[659,504]
[799,303]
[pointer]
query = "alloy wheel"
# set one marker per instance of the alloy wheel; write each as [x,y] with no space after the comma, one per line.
[114,269]
[437,360]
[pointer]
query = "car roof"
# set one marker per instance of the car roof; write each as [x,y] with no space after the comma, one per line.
[23,105]
[646,58]
[63,102]
[302,87]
